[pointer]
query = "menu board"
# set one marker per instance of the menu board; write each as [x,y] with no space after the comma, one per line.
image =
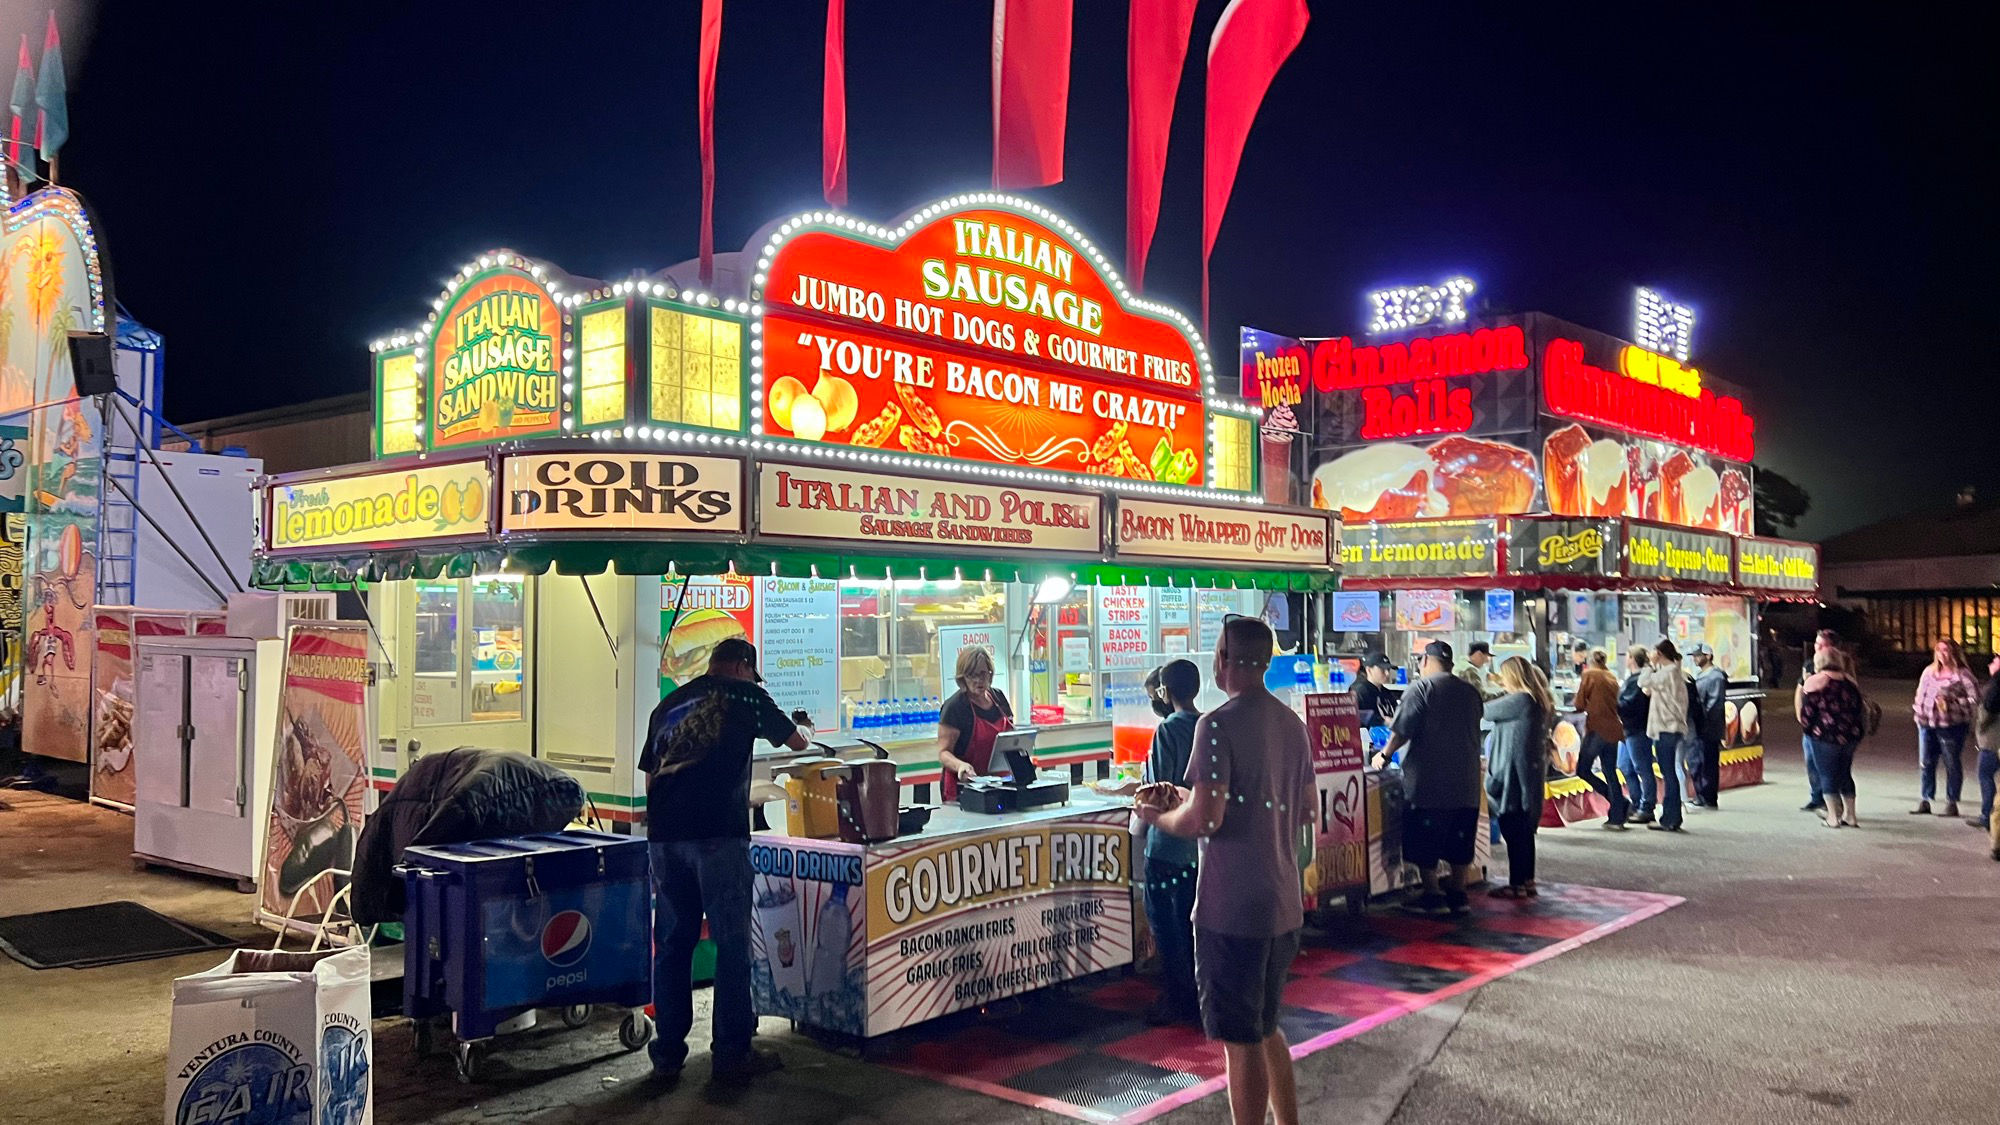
[1211,606]
[1340,852]
[1173,607]
[1429,611]
[800,657]
[952,638]
[1124,625]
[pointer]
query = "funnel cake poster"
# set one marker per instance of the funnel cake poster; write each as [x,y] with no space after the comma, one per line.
[50,287]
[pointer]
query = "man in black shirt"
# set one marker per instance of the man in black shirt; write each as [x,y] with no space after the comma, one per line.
[697,764]
[1372,703]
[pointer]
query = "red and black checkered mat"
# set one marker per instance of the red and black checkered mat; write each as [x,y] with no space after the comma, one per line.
[1088,1054]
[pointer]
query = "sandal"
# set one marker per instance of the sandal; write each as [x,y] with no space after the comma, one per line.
[1513,891]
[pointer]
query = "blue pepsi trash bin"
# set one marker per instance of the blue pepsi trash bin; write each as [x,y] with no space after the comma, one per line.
[497,928]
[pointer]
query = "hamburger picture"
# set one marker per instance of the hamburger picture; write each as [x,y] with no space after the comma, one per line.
[685,653]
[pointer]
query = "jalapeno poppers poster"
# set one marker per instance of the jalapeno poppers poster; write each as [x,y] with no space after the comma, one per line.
[982,335]
[319,784]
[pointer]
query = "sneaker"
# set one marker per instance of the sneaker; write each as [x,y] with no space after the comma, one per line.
[1664,828]
[1977,823]
[1614,825]
[1641,818]
[1427,903]
[1950,809]
[1923,809]
[759,1061]
[1457,903]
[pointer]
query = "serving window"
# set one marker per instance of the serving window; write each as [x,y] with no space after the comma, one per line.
[470,643]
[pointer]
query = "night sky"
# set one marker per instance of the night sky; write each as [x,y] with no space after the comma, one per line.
[276,188]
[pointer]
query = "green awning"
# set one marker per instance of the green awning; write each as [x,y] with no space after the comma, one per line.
[638,557]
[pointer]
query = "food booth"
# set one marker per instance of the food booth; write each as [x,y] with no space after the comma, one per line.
[1523,481]
[894,442]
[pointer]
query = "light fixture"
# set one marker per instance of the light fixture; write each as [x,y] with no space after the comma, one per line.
[1053,589]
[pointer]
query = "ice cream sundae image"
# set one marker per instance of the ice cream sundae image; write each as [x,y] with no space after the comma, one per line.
[1278,430]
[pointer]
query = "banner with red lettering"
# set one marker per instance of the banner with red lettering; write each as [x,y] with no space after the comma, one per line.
[112,777]
[319,782]
[1340,852]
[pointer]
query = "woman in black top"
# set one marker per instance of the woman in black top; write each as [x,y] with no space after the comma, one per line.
[970,720]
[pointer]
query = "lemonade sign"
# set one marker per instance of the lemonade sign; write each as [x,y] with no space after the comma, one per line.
[431,502]
[495,361]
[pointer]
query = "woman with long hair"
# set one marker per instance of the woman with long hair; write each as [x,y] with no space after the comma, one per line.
[1986,735]
[1666,688]
[1517,767]
[1946,700]
[1833,719]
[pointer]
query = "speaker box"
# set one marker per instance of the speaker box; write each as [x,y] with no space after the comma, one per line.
[90,361]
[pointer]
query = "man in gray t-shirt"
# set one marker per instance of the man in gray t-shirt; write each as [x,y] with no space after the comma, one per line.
[1438,722]
[1250,797]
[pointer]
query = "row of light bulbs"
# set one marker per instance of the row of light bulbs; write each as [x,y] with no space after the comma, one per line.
[57,203]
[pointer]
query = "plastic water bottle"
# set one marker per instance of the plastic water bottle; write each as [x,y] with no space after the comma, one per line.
[933,711]
[1402,675]
[1339,676]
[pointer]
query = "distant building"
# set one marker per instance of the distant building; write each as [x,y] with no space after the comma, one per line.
[310,435]
[1919,577]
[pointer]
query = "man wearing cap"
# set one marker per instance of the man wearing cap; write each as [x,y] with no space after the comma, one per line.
[697,763]
[1711,688]
[1478,655]
[1372,701]
[1438,720]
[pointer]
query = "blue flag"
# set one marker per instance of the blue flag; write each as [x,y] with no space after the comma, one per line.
[51,96]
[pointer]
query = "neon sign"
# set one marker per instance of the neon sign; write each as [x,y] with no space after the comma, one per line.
[1338,365]
[981,334]
[1663,326]
[494,367]
[1710,422]
[1413,306]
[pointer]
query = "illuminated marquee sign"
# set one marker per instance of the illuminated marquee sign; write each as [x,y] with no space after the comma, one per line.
[1777,564]
[1652,551]
[1662,326]
[495,361]
[1575,389]
[401,505]
[1181,531]
[1413,306]
[1460,382]
[981,334]
[585,491]
[1422,549]
[809,502]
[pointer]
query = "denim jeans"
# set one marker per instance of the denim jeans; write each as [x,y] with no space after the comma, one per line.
[1666,751]
[1989,766]
[1597,755]
[1635,761]
[1813,781]
[1834,764]
[1170,913]
[692,878]
[1947,743]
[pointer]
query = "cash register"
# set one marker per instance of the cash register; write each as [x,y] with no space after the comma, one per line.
[1020,788]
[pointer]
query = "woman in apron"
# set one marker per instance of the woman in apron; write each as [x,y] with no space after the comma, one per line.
[970,720]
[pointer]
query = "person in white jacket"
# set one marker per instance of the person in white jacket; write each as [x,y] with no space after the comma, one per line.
[1666,688]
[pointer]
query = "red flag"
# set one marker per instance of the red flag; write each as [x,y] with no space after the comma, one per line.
[833,107]
[1030,91]
[1156,46]
[711,44]
[1251,41]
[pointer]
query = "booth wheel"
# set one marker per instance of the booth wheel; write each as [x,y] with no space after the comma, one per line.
[575,1016]
[635,1031]
[471,1061]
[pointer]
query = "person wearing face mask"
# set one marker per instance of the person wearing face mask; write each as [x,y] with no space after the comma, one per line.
[1171,865]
